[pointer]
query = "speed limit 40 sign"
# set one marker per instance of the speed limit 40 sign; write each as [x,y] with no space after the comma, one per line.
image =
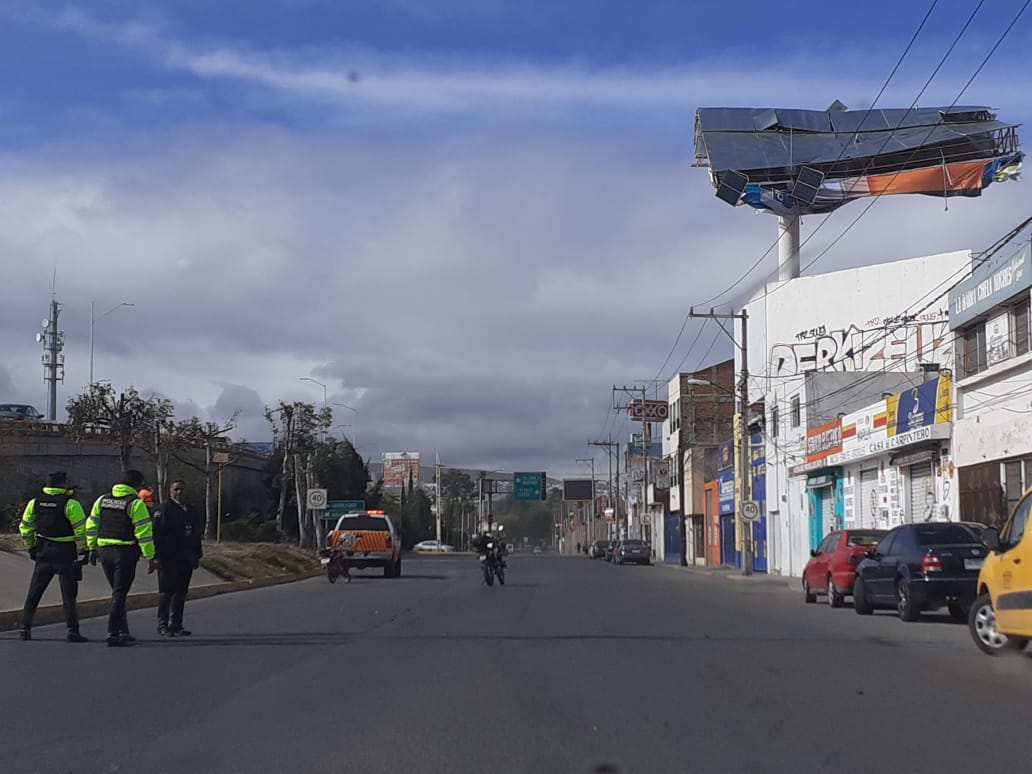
[751,510]
[316,499]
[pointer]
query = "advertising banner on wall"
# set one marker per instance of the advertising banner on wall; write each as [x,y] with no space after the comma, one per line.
[927,404]
[399,468]
[919,414]
[993,283]
[726,490]
[823,441]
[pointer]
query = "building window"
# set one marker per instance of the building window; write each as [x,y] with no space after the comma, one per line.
[796,412]
[972,349]
[1003,334]
[1019,316]
[774,422]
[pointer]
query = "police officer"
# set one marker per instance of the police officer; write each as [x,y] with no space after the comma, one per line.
[53,527]
[178,528]
[118,530]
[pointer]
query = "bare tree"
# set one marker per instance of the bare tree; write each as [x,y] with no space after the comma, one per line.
[296,427]
[125,419]
[210,436]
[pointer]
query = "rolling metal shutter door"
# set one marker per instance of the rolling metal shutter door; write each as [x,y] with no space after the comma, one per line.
[868,502]
[828,509]
[921,491]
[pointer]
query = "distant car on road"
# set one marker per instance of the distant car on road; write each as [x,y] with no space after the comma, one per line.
[832,567]
[537,549]
[434,546]
[21,412]
[636,551]
[598,548]
[918,567]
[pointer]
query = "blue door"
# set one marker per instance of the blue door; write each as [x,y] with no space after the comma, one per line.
[760,545]
[728,554]
[672,540]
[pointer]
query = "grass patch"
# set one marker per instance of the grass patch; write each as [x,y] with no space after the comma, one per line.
[11,542]
[243,561]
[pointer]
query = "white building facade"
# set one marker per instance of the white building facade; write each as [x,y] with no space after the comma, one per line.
[818,346]
[989,315]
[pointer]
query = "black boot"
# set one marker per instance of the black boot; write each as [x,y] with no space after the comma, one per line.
[25,634]
[74,636]
[178,604]
[164,603]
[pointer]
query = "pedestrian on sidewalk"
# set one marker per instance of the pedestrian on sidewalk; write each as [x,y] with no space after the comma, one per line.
[53,529]
[178,527]
[118,530]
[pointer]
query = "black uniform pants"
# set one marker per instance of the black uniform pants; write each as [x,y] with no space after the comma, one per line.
[173,584]
[53,558]
[119,563]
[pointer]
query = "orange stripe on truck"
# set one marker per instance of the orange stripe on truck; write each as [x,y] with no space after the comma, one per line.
[364,540]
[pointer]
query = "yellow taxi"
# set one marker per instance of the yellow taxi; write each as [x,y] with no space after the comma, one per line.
[368,539]
[1001,617]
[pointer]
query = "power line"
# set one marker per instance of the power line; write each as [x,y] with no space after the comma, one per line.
[881,92]
[899,62]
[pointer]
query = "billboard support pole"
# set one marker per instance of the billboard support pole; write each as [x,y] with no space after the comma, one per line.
[788,247]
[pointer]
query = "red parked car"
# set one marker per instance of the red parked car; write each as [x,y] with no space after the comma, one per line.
[832,566]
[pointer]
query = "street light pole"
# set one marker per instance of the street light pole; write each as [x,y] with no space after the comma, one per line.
[93,322]
[316,381]
[354,419]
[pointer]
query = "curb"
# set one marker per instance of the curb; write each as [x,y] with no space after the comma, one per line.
[732,574]
[93,608]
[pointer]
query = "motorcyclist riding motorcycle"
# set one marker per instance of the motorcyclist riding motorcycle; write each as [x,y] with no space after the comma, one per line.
[491,548]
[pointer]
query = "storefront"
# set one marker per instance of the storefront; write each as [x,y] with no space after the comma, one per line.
[823,480]
[759,494]
[711,506]
[895,458]
[726,499]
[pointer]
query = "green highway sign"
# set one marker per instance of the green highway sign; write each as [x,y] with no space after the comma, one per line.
[529,486]
[337,508]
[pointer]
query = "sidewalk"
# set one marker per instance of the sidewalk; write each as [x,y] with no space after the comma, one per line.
[95,595]
[734,574]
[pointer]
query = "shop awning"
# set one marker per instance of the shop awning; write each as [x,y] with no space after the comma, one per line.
[915,456]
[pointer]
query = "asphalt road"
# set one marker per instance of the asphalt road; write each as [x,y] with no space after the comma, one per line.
[573,666]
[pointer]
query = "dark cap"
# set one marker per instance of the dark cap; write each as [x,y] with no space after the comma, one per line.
[58,479]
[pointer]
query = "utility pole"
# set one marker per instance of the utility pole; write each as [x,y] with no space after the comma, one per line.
[613,500]
[743,436]
[645,442]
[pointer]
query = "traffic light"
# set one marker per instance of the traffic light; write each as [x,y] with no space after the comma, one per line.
[544,487]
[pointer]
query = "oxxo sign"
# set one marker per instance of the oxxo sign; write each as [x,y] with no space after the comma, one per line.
[655,411]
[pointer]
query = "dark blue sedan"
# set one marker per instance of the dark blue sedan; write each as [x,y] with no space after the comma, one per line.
[918,567]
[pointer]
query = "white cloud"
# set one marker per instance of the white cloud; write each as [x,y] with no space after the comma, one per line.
[473,291]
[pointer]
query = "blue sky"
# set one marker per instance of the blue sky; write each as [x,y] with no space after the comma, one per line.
[438,179]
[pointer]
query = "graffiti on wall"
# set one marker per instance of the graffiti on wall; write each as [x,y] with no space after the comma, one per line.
[880,343]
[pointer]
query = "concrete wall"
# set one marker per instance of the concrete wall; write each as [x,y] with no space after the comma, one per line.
[93,466]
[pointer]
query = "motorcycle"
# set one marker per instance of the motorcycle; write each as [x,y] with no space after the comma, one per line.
[492,562]
[334,560]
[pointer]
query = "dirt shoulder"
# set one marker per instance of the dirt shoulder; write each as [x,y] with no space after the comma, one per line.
[244,561]
[234,561]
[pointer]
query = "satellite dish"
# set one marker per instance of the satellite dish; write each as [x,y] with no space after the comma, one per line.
[46,322]
[39,337]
